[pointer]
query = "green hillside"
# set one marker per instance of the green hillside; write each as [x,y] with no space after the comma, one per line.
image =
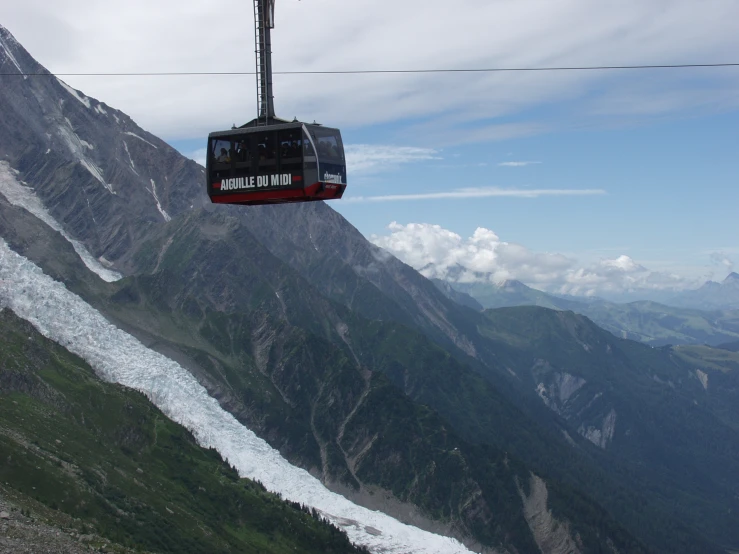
[97,458]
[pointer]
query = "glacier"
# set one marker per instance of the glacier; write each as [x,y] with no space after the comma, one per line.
[118,357]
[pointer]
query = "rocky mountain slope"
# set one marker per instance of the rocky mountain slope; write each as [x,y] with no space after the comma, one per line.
[349,362]
[107,181]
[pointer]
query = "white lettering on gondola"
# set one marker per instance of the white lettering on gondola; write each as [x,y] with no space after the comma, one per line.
[257,181]
[331,178]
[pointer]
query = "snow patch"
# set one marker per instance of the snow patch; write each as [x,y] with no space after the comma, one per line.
[130,159]
[153,191]
[141,139]
[77,147]
[84,100]
[120,358]
[24,197]
[96,172]
[99,109]
[10,55]
[702,377]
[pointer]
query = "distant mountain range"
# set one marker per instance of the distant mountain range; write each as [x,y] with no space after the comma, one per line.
[519,429]
[711,296]
[648,322]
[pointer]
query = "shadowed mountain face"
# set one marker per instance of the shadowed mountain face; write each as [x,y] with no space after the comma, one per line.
[359,369]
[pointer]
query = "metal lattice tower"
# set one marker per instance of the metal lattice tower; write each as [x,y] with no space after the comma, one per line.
[264,21]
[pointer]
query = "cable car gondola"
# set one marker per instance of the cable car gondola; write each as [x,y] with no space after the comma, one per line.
[271,160]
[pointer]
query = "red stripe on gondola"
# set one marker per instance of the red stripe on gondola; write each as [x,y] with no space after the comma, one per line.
[217,186]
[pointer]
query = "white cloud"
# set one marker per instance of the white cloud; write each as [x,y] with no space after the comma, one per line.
[369,158]
[484,257]
[721,258]
[517,164]
[92,36]
[484,192]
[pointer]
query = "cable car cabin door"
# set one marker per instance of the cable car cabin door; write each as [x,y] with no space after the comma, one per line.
[274,164]
[329,167]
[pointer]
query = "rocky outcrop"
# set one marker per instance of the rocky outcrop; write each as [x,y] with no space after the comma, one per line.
[552,536]
[560,388]
[601,436]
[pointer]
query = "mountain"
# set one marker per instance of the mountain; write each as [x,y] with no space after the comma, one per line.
[409,438]
[461,298]
[347,361]
[649,322]
[711,296]
[659,325]
[510,293]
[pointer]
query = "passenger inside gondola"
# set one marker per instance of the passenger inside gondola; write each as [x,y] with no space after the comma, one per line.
[243,154]
[266,149]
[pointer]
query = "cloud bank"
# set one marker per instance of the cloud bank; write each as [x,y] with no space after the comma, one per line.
[484,192]
[368,158]
[440,253]
[722,259]
[517,164]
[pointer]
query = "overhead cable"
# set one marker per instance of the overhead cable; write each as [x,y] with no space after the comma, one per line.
[374,71]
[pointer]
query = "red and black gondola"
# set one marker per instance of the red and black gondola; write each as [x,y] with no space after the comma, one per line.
[274,164]
[271,160]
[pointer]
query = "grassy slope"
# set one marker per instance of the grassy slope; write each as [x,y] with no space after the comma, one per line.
[658,324]
[719,359]
[106,457]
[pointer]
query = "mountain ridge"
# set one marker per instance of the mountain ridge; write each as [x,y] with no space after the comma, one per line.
[646,321]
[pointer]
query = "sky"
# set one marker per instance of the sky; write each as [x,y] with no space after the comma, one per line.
[584,182]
